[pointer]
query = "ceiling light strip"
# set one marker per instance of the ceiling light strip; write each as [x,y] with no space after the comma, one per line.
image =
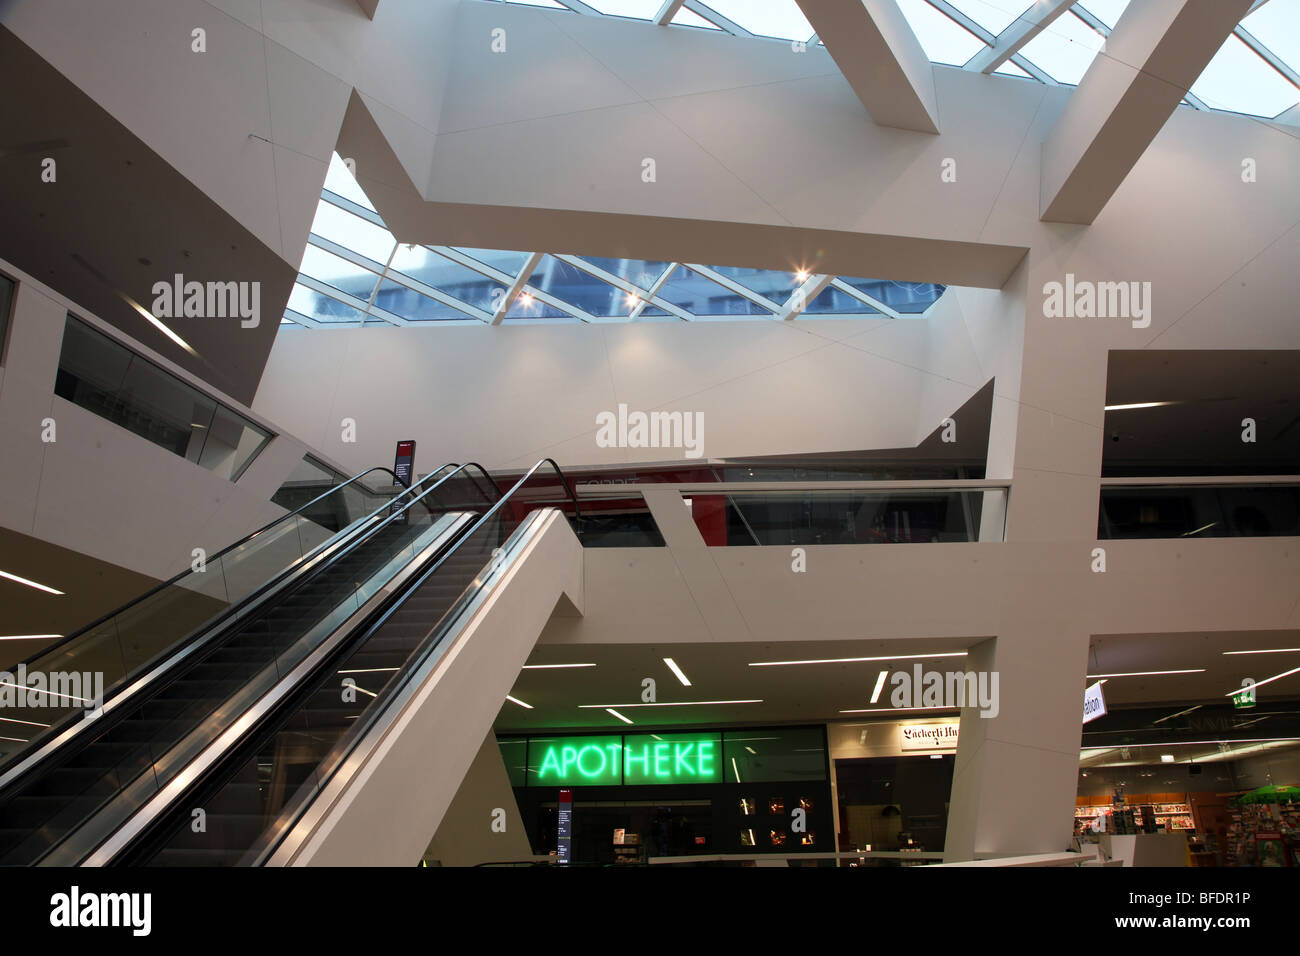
[676,703]
[1195,670]
[1261,683]
[858,660]
[31,584]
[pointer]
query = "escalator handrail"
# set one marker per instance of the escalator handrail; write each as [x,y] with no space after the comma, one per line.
[293,812]
[57,735]
[190,570]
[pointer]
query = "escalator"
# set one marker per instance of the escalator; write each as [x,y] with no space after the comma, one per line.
[247,713]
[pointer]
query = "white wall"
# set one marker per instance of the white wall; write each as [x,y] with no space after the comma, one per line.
[508,395]
[99,489]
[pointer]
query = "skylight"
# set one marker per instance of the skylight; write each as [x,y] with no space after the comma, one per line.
[354,272]
[1255,72]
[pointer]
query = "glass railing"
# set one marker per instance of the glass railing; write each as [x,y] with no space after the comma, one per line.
[81,670]
[319,731]
[115,767]
[1190,510]
[846,517]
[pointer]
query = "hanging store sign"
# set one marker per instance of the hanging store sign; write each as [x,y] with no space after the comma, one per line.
[1094,703]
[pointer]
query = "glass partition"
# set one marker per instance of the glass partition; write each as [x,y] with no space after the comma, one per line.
[105,377]
[848,517]
[1199,511]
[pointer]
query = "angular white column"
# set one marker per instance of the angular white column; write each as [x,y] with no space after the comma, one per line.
[874,46]
[1157,51]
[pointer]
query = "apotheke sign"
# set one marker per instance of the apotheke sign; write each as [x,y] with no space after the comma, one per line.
[928,736]
[629,759]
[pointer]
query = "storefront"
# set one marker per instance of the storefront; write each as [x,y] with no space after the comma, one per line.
[639,795]
[892,782]
[1221,777]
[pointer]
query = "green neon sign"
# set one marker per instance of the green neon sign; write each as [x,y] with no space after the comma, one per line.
[631,759]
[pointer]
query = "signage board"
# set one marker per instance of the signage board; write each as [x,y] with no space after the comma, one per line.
[627,759]
[403,468]
[564,826]
[914,737]
[1094,703]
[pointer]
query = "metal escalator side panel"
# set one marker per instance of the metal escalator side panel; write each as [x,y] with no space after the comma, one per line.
[110,842]
[287,840]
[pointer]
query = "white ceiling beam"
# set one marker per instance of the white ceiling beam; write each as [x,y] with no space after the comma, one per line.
[667,12]
[875,48]
[1025,27]
[1154,55]
[516,287]
[651,297]
[802,297]
[870,300]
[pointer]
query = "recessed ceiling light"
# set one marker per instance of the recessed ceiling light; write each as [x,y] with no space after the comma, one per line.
[514,700]
[1261,683]
[1195,670]
[672,666]
[1166,758]
[30,584]
[751,749]
[857,660]
[891,710]
[544,667]
[618,715]
[677,703]
[880,683]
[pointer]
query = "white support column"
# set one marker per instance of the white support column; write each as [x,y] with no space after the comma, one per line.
[875,48]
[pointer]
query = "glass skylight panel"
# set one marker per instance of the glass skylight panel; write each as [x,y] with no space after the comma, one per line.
[353,232]
[941,38]
[503,260]
[551,4]
[1238,79]
[339,180]
[1010,69]
[1107,11]
[833,301]
[907,297]
[640,272]
[770,18]
[570,284]
[414,306]
[689,18]
[993,15]
[1065,49]
[699,295]
[322,308]
[425,265]
[639,9]
[772,284]
[528,306]
[1277,25]
[338,272]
